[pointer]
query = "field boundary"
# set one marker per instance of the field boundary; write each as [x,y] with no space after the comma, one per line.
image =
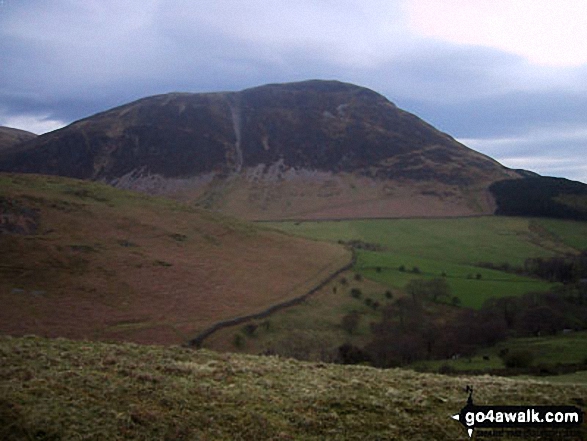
[199,339]
[337,219]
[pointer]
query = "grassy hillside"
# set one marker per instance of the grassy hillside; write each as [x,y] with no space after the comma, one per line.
[85,260]
[61,389]
[311,330]
[450,247]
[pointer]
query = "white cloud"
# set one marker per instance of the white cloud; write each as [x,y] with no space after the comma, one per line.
[545,32]
[38,124]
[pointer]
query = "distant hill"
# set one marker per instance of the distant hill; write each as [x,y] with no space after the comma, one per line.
[541,196]
[314,149]
[10,137]
[85,260]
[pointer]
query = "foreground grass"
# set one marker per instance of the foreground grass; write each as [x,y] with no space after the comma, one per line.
[61,389]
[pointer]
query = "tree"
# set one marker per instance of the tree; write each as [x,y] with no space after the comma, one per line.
[435,289]
[518,359]
[350,322]
[349,354]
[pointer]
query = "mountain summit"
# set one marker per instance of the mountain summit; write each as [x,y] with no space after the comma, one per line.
[313,149]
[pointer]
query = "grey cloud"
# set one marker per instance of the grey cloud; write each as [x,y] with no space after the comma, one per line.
[509,114]
[66,60]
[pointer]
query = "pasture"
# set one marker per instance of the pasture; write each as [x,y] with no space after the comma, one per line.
[546,351]
[452,248]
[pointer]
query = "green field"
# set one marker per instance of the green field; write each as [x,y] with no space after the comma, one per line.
[472,285]
[459,240]
[454,247]
[547,351]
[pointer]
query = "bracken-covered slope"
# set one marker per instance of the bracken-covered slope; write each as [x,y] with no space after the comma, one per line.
[85,260]
[308,149]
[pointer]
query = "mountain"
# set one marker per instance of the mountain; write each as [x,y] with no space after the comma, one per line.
[314,149]
[88,261]
[10,137]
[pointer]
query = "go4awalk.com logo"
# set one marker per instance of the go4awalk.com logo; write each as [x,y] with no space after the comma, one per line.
[508,420]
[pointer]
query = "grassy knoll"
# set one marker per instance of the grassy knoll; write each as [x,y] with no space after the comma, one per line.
[85,260]
[61,389]
[546,351]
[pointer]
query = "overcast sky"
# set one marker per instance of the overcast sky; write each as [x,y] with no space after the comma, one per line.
[505,77]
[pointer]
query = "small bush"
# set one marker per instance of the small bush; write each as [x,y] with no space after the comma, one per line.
[388,295]
[178,237]
[416,270]
[446,369]
[518,359]
[350,322]
[356,293]
[349,354]
[378,269]
[127,244]
[402,268]
[238,341]
[250,328]
[358,277]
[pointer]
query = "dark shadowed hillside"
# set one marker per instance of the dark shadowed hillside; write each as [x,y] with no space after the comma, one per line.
[541,197]
[10,137]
